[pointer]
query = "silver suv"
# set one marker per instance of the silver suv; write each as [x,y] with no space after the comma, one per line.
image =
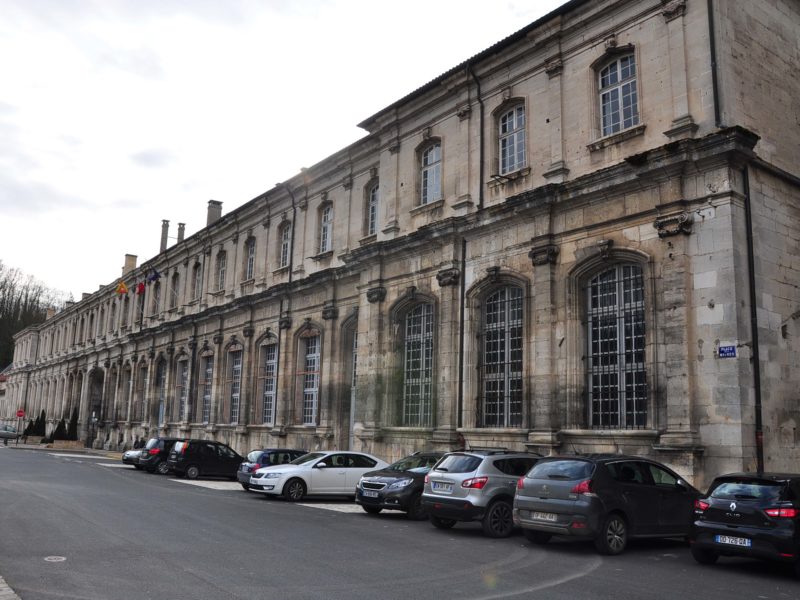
[476,485]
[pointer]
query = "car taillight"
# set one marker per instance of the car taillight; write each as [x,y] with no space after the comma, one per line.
[700,505]
[153,451]
[476,483]
[521,483]
[782,513]
[426,479]
[584,487]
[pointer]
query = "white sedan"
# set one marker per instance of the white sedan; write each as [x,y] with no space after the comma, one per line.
[315,473]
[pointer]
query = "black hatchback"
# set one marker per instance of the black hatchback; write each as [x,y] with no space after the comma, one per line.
[605,498]
[153,457]
[398,486]
[192,458]
[265,457]
[749,514]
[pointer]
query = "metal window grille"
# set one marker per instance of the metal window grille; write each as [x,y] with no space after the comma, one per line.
[501,360]
[268,381]
[285,238]
[418,370]
[619,105]
[161,387]
[512,140]
[183,389]
[311,380]
[372,211]
[250,266]
[235,359]
[616,334]
[208,377]
[431,175]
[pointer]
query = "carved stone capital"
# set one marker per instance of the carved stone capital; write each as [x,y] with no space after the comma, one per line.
[674,224]
[394,146]
[170,350]
[347,182]
[464,112]
[554,67]
[447,277]
[192,343]
[329,311]
[107,364]
[218,338]
[493,273]
[151,353]
[544,255]
[672,9]
[285,322]
[604,248]
[248,331]
[376,294]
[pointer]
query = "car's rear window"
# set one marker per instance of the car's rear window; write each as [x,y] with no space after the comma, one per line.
[748,489]
[179,446]
[254,456]
[568,470]
[458,463]
[151,443]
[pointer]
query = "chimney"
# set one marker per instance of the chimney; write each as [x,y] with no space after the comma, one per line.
[181,229]
[164,234]
[130,264]
[214,211]
[51,312]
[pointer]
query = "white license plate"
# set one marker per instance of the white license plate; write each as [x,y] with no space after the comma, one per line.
[438,486]
[733,541]
[370,493]
[540,516]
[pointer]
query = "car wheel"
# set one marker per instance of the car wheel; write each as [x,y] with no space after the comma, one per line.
[372,510]
[192,472]
[416,509]
[138,467]
[162,468]
[246,487]
[536,537]
[704,556]
[440,523]
[613,535]
[498,521]
[294,490]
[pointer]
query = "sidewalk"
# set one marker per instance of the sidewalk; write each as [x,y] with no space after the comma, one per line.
[6,593]
[45,448]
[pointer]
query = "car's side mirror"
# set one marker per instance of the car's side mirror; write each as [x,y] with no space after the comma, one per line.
[320,465]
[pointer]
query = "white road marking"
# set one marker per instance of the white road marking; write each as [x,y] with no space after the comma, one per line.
[343,508]
[115,465]
[211,485]
[81,456]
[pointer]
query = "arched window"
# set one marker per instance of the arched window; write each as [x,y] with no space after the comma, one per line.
[206,386]
[182,387]
[372,209]
[431,174]
[326,228]
[511,138]
[418,367]
[619,103]
[141,389]
[222,265]
[174,290]
[249,258]
[268,380]
[501,358]
[285,238]
[310,366]
[161,390]
[616,369]
[234,384]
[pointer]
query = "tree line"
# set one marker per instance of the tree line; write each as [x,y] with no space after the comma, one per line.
[23,302]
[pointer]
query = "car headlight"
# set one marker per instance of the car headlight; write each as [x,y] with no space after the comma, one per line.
[400,484]
[273,475]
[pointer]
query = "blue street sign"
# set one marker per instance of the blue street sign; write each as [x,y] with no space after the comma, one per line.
[727,352]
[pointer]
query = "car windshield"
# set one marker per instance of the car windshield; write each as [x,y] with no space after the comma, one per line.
[151,443]
[458,463]
[568,470]
[415,464]
[179,446]
[306,458]
[747,489]
[254,456]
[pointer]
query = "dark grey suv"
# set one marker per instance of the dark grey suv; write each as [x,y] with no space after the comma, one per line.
[605,498]
[475,485]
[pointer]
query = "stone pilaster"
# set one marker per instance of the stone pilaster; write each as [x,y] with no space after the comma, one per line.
[683,125]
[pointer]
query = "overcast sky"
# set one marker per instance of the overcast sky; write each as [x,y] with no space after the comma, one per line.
[116,114]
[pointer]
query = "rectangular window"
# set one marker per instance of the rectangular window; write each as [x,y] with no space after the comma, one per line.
[208,377]
[285,238]
[197,285]
[161,390]
[326,227]
[222,260]
[182,390]
[372,211]
[311,380]
[431,175]
[619,105]
[141,389]
[512,140]
[250,265]
[235,383]
[269,368]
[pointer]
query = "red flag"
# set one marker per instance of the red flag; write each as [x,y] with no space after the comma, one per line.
[140,288]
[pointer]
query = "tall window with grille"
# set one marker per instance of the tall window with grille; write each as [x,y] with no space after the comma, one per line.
[112,320]
[197,280]
[285,245]
[206,386]
[268,377]
[174,290]
[161,390]
[418,367]
[222,265]
[182,387]
[140,308]
[234,383]
[617,381]
[310,378]
[501,359]
[250,259]
[325,228]
[141,398]
[619,102]
[511,136]
[431,174]
[125,317]
[156,297]
[372,210]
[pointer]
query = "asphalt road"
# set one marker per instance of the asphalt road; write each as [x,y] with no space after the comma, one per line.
[84,527]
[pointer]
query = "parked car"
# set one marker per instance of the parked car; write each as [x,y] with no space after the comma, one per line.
[397,487]
[131,457]
[265,457]
[315,473]
[193,458]
[155,455]
[605,498]
[749,514]
[8,432]
[475,485]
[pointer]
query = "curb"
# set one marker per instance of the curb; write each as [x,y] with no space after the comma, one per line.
[41,448]
[6,593]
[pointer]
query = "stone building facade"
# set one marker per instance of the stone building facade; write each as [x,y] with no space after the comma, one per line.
[585,238]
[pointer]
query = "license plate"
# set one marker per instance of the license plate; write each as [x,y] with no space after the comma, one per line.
[733,541]
[438,486]
[540,516]
[370,493]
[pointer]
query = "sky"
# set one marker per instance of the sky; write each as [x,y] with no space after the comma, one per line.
[116,114]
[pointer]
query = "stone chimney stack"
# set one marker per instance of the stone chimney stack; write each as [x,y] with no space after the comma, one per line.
[214,211]
[164,234]
[51,312]
[181,231]
[130,264]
